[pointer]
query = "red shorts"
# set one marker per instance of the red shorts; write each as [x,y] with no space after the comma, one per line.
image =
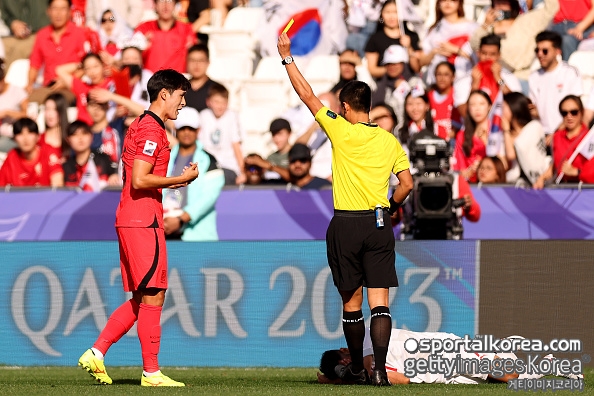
[143,258]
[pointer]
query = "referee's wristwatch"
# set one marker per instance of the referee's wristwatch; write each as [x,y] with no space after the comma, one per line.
[288,60]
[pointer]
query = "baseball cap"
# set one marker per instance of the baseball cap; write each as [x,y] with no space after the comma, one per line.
[187,117]
[299,152]
[395,54]
[278,124]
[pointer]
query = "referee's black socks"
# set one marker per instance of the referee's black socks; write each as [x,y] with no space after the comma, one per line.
[380,330]
[353,327]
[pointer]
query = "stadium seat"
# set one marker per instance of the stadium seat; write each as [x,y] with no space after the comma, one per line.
[255,121]
[244,19]
[272,93]
[323,67]
[231,43]
[583,61]
[230,67]
[270,68]
[18,73]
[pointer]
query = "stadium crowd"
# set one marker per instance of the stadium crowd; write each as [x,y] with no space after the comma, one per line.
[494,81]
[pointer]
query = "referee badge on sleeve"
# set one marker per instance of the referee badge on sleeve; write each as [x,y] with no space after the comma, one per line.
[331,114]
[149,148]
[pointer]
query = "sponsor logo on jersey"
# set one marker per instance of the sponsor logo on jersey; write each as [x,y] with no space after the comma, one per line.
[149,148]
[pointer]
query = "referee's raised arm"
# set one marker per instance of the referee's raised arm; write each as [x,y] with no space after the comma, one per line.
[299,82]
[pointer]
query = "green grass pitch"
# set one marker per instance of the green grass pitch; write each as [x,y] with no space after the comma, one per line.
[223,381]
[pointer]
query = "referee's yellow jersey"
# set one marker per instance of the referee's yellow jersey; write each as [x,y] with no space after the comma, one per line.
[363,157]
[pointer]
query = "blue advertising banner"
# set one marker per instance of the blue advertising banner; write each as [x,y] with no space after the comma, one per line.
[241,304]
[266,214]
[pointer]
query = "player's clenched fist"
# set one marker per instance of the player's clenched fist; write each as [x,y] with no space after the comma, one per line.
[191,172]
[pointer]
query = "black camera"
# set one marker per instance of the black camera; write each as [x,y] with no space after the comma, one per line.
[431,212]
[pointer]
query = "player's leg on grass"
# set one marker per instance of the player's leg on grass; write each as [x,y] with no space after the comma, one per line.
[149,334]
[118,324]
[380,330]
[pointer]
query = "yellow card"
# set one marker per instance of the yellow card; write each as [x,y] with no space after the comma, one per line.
[288,26]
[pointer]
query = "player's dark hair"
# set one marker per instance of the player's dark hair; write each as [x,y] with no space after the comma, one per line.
[519,106]
[218,89]
[328,362]
[76,125]
[168,79]
[49,3]
[470,124]
[551,36]
[491,39]
[199,48]
[404,133]
[356,94]
[23,123]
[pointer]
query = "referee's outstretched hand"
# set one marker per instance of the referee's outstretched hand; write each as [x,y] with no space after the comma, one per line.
[284,45]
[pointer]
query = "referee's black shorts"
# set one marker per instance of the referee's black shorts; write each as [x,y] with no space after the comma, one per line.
[360,254]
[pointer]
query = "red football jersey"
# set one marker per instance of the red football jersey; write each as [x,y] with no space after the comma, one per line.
[145,140]
[17,171]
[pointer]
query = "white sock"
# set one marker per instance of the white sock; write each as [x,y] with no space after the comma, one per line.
[97,353]
[150,374]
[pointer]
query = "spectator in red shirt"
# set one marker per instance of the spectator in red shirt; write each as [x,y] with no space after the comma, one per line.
[574,22]
[471,142]
[56,123]
[60,42]
[566,141]
[85,168]
[30,164]
[167,39]
[93,77]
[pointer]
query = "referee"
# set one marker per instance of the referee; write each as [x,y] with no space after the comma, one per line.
[360,249]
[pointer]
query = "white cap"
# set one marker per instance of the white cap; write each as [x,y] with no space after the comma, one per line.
[187,117]
[395,54]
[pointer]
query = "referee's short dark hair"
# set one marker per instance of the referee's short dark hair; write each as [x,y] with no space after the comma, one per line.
[168,79]
[491,39]
[357,94]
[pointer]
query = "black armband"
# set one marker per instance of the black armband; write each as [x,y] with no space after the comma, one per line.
[393,206]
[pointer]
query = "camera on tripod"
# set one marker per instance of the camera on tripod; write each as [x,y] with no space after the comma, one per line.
[430,211]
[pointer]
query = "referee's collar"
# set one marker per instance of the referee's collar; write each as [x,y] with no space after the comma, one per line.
[156,117]
[369,124]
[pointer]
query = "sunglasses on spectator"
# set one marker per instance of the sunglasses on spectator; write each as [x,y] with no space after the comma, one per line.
[545,51]
[300,160]
[110,19]
[573,112]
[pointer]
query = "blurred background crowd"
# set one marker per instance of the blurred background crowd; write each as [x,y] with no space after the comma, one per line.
[507,83]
